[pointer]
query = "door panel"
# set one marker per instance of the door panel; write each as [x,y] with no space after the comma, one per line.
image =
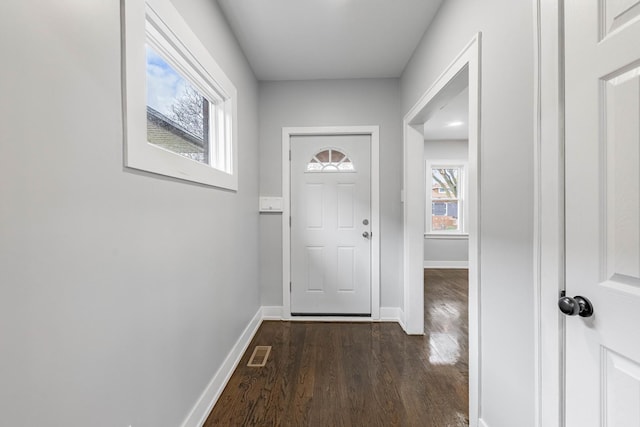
[621,381]
[330,257]
[315,201]
[315,272]
[616,13]
[621,110]
[346,269]
[346,212]
[603,211]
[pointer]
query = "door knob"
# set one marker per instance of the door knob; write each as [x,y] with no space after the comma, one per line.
[365,234]
[576,306]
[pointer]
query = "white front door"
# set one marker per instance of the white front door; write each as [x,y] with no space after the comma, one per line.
[602,211]
[331,225]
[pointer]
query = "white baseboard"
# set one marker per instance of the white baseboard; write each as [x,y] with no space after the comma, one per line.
[389,314]
[446,264]
[393,314]
[402,320]
[481,423]
[272,312]
[209,397]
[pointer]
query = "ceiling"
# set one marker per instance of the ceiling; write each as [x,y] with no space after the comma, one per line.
[438,127]
[328,39]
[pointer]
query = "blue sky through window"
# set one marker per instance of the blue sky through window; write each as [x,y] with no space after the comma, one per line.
[164,84]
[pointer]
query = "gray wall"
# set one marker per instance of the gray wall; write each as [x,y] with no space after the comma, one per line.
[332,103]
[437,252]
[442,249]
[121,293]
[507,346]
[446,150]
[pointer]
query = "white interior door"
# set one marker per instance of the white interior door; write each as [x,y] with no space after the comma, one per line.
[331,225]
[602,211]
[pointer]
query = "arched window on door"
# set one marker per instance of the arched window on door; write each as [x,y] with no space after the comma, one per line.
[330,160]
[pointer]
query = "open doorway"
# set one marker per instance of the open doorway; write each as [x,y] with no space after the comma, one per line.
[446,243]
[446,157]
[441,198]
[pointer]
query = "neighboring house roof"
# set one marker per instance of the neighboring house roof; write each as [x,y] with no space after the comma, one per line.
[166,133]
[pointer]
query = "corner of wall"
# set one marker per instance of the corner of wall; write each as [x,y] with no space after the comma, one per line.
[272,312]
[390,314]
[212,392]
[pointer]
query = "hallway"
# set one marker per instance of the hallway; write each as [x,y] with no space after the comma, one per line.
[359,374]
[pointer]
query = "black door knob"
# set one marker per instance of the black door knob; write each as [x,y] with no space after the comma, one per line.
[576,306]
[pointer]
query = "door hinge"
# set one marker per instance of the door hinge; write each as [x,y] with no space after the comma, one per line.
[289,287]
[289,222]
[289,155]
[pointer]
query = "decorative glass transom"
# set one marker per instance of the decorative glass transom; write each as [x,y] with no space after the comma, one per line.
[330,160]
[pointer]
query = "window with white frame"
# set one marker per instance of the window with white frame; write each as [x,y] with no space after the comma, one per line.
[181,107]
[445,198]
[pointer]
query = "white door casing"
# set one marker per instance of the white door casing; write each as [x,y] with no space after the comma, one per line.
[330,225]
[548,211]
[467,61]
[602,363]
[287,134]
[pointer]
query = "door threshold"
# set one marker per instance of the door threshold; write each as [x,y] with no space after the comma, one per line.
[331,315]
[303,317]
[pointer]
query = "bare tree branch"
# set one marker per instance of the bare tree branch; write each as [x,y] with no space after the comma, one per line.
[188,111]
[449,181]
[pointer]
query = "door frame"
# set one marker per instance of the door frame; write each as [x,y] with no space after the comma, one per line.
[549,215]
[374,133]
[414,208]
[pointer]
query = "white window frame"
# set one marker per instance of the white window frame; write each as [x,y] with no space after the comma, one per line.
[462,205]
[158,23]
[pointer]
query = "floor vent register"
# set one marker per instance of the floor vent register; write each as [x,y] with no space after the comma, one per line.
[259,357]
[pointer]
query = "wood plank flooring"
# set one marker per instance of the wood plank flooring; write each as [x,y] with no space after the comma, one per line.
[359,374]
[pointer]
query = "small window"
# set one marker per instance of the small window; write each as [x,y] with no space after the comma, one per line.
[330,160]
[178,117]
[180,106]
[445,190]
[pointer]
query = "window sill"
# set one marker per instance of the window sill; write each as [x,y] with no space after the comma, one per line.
[447,236]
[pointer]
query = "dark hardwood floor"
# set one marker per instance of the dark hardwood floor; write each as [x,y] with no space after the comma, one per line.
[359,374]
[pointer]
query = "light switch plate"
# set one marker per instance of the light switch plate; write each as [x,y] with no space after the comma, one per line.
[271,204]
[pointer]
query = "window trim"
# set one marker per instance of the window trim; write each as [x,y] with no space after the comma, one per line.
[147,20]
[461,233]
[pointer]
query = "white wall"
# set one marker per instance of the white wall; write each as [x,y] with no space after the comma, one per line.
[121,292]
[332,103]
[443,251]
[506,223]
